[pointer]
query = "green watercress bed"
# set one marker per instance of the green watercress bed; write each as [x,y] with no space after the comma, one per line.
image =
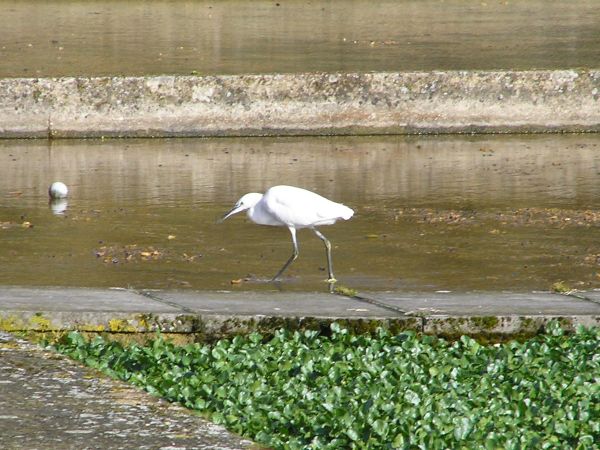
[303,390]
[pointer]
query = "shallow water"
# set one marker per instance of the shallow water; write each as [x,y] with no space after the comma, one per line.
[135,37]
[432,213]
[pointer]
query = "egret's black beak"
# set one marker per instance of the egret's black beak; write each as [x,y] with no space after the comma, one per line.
[230,213]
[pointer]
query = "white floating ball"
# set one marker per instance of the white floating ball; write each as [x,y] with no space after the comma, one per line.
[58,190]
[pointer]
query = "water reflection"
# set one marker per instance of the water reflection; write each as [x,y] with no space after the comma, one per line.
[58,206]
[94,37]
[504,212]
[501,171]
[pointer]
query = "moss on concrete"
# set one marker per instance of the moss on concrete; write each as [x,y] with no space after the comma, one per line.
[187,328]
[11,323]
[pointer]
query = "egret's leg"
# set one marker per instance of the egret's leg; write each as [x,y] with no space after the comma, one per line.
[293,257]
[328,249]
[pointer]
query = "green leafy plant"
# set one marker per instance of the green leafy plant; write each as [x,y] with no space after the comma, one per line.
[302,390]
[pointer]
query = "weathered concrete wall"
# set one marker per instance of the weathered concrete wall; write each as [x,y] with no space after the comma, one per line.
[208,315]
[318,103]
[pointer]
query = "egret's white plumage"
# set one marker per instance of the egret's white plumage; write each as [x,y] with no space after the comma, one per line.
[294,208]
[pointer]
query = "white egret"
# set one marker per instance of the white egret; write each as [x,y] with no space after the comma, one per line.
[294,208]
[58,190]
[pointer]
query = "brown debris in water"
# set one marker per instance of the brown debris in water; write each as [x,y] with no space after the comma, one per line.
[519,217]
[9,225]
[553,216]
[132,253]
[593,259]
[430,215]
[127,253]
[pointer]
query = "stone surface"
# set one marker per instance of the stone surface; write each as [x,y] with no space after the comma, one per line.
[486,303]
[223,314]
[493,315]
[303,103]
[76,299]
[48,401]
[296,304]
[208,316]
[501,328]
[593,296]
[116,310]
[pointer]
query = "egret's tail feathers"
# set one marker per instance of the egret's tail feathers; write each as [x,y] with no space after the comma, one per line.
[346,212]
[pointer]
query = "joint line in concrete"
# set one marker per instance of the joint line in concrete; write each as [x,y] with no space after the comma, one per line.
[383,305]
[582,296]
[156,298]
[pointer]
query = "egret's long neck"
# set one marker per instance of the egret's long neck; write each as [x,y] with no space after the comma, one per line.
[253,201]
[259,215]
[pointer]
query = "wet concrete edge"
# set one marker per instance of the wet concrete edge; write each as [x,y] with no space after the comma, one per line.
[302,104]
[50,401]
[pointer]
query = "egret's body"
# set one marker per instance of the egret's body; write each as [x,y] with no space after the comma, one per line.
[294,208]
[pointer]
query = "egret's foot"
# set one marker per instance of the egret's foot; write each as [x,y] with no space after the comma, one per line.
[280,279]
[331,280]
[256,279]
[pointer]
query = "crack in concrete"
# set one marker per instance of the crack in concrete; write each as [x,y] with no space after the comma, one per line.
[581,296]
[395,309]
[158,299]
[380,304]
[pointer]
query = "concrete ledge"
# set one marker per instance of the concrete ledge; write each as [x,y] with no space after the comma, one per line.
[492,315]
[499,328]
[301,104]
[98,322]
[208,316]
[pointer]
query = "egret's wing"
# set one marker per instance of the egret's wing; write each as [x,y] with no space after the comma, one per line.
[287,207]
[302,208]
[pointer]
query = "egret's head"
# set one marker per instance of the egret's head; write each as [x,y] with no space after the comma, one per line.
[246,202]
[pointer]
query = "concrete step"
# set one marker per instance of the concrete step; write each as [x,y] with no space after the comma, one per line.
[209,316]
